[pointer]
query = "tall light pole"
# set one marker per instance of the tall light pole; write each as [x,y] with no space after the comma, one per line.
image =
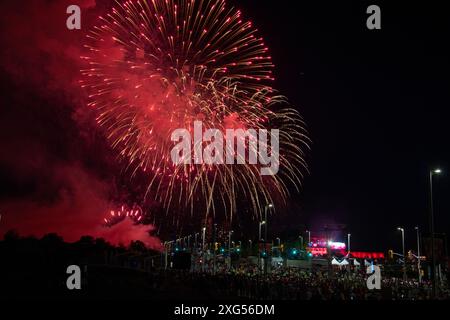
[301,242]
[195,241]
[214,247]
[265,219]
[433,256]
[165,255]
[167,246]
[348,241]
[260,225]
[309,236]
[229,248]
[418,255]
[259,245]
[203,238]
[403,249]
[203,248]
[266,223]
[265,236]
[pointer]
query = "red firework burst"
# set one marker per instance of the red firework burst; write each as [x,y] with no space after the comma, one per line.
[159,65]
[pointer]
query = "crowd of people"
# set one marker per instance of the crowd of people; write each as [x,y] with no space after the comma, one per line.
[295,284]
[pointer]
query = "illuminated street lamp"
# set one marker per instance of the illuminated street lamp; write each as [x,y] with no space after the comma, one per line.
[278,241]
[229,241]
[266,208]
[348,241]
[403,249]
[260,225]
[203,248]
[433,256]
[259,240]
[418,254]
[229,249]
[203,237]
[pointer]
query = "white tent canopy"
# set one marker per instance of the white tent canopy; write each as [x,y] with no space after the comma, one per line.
[334,262]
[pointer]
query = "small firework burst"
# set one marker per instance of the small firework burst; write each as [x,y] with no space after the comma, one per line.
[116,216]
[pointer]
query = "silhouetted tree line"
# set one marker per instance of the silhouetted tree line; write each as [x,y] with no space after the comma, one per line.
[37,267]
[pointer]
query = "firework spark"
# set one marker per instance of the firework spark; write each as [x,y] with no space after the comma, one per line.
[159,65]
[135,214]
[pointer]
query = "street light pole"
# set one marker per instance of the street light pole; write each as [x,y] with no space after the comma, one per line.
[165,255]
[203,248]
[348,241]
[433,256]
[418,255]
[260,224]
[195,241]
[265,219]
[214,247]
[259,242]
[229,248]
[167,247]
[403,249]
[203,238]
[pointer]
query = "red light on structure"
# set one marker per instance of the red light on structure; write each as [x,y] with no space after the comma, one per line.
[318,251]
[367,255]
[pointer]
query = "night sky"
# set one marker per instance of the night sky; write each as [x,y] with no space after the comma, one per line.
[375,101]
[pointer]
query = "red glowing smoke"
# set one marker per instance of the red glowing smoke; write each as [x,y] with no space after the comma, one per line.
[52,176]
[78,208]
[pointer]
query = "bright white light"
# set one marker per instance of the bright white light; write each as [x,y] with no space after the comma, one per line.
[336,245]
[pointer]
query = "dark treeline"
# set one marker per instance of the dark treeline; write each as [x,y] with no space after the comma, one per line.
[38,267]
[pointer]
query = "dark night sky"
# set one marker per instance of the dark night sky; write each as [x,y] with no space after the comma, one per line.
[375,102]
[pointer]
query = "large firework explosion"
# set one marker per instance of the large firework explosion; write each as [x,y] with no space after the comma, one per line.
[159,65]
